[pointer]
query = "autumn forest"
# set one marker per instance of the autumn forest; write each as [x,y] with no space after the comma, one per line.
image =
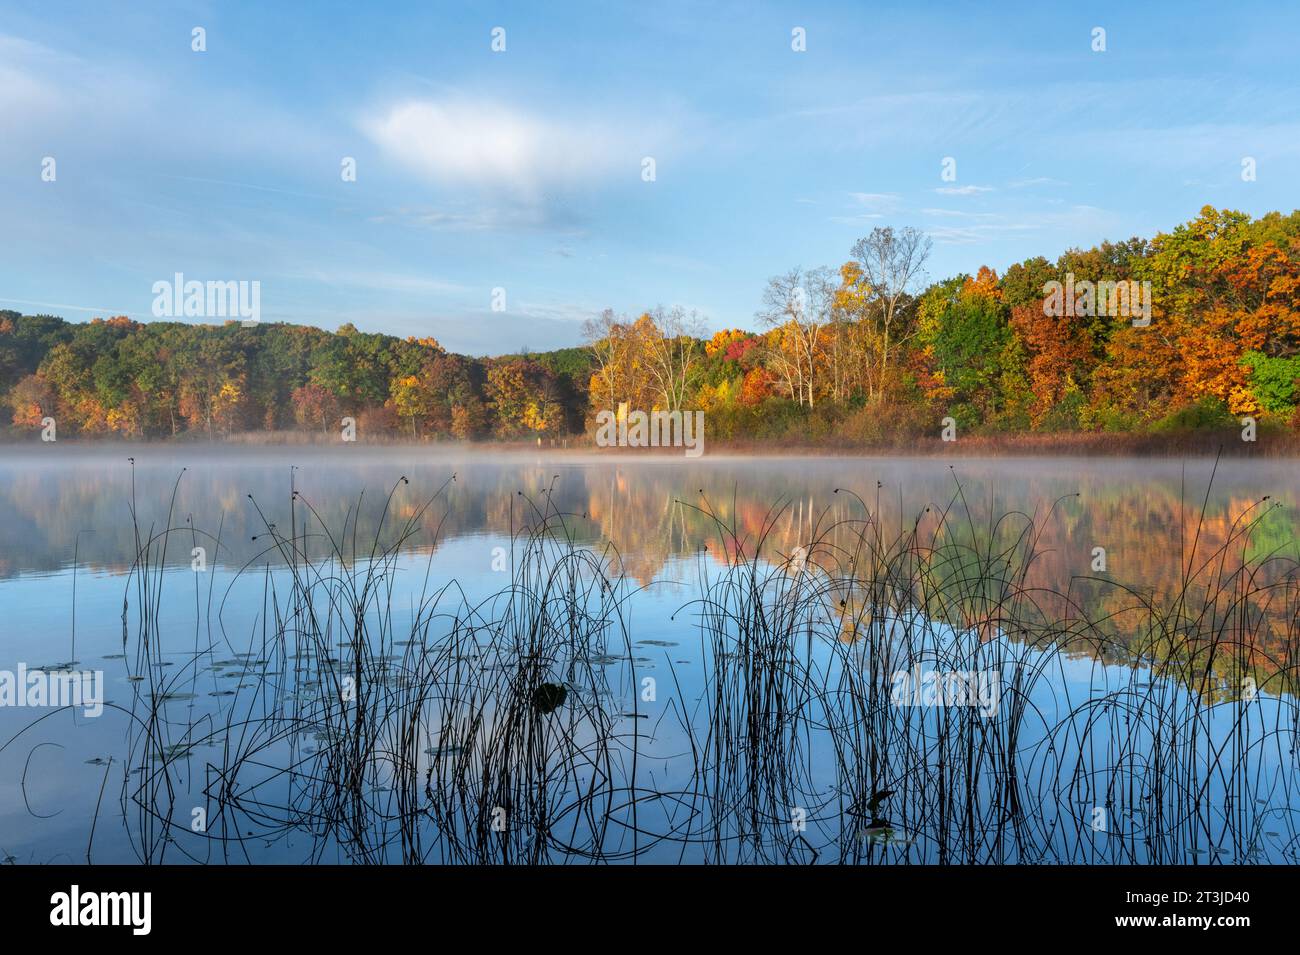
[868,351]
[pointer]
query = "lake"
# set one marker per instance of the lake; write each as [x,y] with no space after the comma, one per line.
[385,654]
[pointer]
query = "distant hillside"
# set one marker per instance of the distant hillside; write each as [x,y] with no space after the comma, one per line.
[1196,328]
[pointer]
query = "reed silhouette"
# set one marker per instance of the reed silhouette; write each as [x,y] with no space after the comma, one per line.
[511,728]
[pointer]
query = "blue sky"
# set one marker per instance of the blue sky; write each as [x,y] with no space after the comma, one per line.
[523,169]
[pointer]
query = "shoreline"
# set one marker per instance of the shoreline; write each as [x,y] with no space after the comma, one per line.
[1228,444]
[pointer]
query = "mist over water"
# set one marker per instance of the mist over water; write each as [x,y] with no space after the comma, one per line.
[643,503]
[74,520]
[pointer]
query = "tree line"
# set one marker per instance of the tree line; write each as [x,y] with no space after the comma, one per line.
[866,351]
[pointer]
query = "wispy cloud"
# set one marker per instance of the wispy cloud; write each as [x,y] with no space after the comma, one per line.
[494,147]
[980,228]
[383,281]
[1037,181]
[974,234]
[962,190]
[99,310]
[865,206]
[24,90]
[44,90]
[957,214]
[502,217]
[876,200]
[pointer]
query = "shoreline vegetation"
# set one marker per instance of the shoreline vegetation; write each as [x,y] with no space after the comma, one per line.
[1183,343]
[1200,444]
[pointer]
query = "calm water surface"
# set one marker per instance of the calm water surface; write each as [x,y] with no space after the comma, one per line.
[73,522]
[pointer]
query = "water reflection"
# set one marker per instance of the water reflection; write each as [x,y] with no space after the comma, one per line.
[773,600]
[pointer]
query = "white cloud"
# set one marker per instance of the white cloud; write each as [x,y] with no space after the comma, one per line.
[869,205]
[494,147]
[876,200]
[1076,220]
[975,234]
[25,89]
[383,281]
[1038,181]
[962,190]
[107,109]
[508,217]
[957,214]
